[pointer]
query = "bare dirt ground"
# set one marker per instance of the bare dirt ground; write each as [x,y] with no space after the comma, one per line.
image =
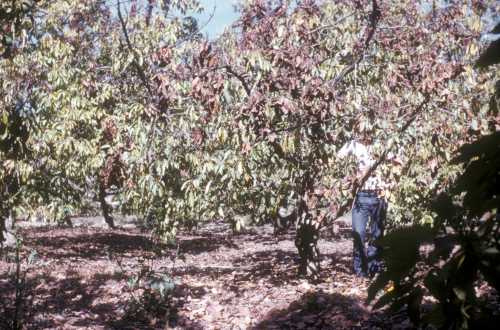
[83,278]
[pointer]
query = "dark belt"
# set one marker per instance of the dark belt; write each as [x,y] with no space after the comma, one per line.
[370,192]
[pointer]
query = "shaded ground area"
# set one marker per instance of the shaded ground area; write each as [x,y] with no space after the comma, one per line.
[94,278]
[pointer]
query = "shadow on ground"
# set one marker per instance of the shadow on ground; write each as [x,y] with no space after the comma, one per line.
[88,244]
[275,267]
[78,283]
[204,244]
[97,244]
[318,310]
[54,302]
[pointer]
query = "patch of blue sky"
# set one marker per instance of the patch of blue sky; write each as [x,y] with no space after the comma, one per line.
[217,15]
[490,19]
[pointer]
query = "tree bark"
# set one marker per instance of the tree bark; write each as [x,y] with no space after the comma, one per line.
[105,208]
[7,237]
[306,241]
[286,215]
[2,229]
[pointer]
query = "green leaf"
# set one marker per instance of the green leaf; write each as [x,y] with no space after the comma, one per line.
[436,316]
[460,293]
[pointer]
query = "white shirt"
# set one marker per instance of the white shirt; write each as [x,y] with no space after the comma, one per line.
[364,161]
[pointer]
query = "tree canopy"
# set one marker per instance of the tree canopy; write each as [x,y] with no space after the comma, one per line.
[127,105]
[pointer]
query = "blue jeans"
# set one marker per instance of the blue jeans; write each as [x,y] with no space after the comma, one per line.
[367,206]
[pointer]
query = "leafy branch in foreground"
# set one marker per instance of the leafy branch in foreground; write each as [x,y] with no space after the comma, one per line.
[463,249]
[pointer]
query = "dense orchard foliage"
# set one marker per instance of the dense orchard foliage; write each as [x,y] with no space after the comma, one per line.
[128,100]
[17,22]
[83,94]
[291,84]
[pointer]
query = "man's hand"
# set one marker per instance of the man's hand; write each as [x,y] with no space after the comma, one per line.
[384,193]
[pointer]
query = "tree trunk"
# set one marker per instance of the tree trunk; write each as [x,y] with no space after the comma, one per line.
[7,237]
[286,215]
[2,229]
[306,241]
[106,209]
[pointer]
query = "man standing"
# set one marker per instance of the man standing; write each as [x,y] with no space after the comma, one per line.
[369,203]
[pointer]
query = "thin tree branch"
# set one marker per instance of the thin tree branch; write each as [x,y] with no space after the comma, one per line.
[240,78]
[144,80]
[198,30]
[230,70]
[324,27]
[138,68]
[375,16]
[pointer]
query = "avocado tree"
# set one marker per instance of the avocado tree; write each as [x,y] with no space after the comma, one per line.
[18,32]
[291,83]
[80,118]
